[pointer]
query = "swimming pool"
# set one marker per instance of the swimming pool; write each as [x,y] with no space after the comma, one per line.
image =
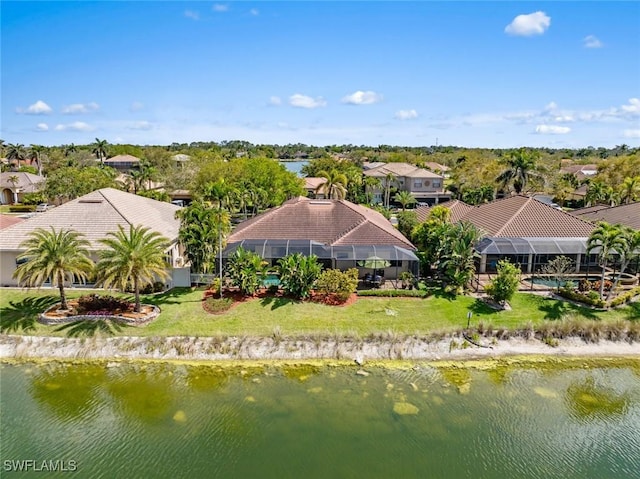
[271,279]
[551,283]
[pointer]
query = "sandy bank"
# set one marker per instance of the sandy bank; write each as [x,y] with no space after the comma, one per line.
[260,348]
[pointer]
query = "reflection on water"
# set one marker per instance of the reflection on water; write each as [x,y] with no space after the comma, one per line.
[173,420]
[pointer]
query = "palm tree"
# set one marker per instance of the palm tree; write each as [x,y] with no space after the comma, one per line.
[610,239]
[370,184]
[57,255]
[36,154]
[336,185]
[135,258]
[629,252]
[70,148]
[388,182]
[100,149]
[16,151]
[520,165]
[595,193]
[404,198]
[630,189]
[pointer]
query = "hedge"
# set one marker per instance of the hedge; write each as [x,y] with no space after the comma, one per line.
[22,208]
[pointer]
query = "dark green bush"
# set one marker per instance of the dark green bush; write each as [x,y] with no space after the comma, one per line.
[22,208]
[334,281]
[217,305]
[94,302]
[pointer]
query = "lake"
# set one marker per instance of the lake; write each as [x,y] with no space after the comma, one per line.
[294,166]
[143,420]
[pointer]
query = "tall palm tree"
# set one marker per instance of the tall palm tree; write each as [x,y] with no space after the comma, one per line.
[36,154]
[629,252]
[404,198]
[56,255]
[596,193]
[388,183]
[16,151]
[370,184]
[336,185]
[630,189]
[610,239]
[135,258]
[70,148]
[520,169]
[100,149]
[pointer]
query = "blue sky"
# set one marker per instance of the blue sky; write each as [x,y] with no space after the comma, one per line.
[476,74]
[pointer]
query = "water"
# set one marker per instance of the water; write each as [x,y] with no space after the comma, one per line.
[271,280]
[552,283]
[159,420]
[294,166]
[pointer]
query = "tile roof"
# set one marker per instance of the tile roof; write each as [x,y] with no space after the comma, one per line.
[458,210]
[331,222]
[27,182]
[9,220]
[627,215]
[313,182]
[433,166]
[400,169]
[524,217]
[97,214]
[122,159]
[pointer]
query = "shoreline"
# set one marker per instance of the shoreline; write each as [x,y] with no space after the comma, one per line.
[216,350]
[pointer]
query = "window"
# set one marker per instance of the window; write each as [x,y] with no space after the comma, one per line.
[436,184]
[417,184]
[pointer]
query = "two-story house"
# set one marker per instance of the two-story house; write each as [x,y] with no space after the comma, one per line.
[424,185]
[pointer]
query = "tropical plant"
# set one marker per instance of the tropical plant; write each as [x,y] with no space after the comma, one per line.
[520,169]
[335,186]
[57,256]
[610,240]
[246,270]
[133,259]
[36,152]
[457,257]
[505,284]
[99,148]
[334,281]
[16,151]
[630,189]
[298,274]
[407,221]
[405,199]
[628,252]
[596,193]
[388,186]
[202,228]
[370,184]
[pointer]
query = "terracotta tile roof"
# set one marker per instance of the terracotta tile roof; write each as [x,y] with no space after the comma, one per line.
[458,210]
[524,217]
[433,166]
[9,220]
[627,215]
[27,182]
[95,215]
[400,169]
[122,159]
[313,182]
[331,222]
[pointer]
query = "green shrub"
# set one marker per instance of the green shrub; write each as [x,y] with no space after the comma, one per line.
[246,270]
[298,274]
[33,198]
[22,208]
[395,293]
[342,284]
[625,297]
[592,298]
[217,305]
[505,284]
[94,302]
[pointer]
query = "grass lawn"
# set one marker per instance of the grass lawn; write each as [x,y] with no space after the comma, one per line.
[182,314]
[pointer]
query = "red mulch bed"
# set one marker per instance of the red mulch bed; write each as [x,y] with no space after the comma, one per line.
[237,297]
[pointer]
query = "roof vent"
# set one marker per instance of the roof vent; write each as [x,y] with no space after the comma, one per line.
[90,201]
[320,202]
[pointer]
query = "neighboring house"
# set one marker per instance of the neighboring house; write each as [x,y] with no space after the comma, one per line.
[458,210]
[527,232]
[14,184]
[424,185]
[313,186]
[438,168]
[123,163]
[626,215]
[95,215]
[581,172]
[9,220]
[340,233]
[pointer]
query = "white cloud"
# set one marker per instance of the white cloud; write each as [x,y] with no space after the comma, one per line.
[633,107]
[42,127]
[254,12]
[275,101]
[219,7]
[406,115]
[140,125]
[564,119]
[78,108]
[75,126]
[362,98]
[631,133]
[192,14]
[38,108]
[591,41]
[136,106]
[304,101]
[526,25]
[552,130]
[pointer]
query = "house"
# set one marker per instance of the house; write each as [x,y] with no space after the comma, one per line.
[123,163]
[13,186]
[424,185]
[95,215]
[581,172]
[340,233]
[438,168]
[626,215]
[313,187]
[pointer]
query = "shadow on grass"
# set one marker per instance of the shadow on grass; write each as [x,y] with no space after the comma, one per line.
[173,296]
[89,327]
[633,313]
[22,315]
[441,293]
[557,310]
[480,308]
[276,301]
